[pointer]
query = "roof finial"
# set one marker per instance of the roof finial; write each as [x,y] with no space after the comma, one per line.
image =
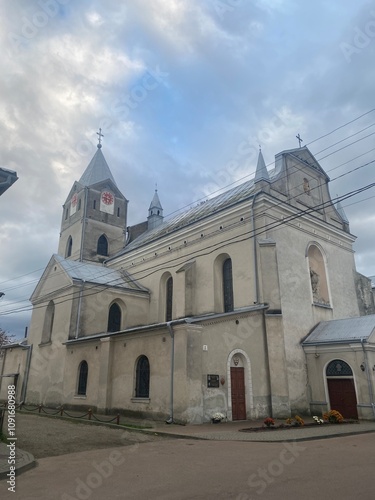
[156,187]
[100,135]
[260,148]
[298,137]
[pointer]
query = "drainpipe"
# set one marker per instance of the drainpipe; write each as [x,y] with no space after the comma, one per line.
[371,394]
[27,371]
[79,309]
[2,366]
[171,333]
[256,275]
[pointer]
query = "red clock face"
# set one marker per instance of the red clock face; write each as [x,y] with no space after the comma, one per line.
[107,198]
[74,200]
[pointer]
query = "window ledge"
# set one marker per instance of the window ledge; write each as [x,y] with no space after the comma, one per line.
[325,306]
[79,396]
[140,400]
[42,344]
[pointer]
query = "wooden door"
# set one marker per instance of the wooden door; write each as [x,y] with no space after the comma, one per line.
[237,377]
[342,397]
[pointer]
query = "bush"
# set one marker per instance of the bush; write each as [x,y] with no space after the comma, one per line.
[269,422]
[333,417]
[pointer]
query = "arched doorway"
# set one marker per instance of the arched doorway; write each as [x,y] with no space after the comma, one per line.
[240,395]
[341,388]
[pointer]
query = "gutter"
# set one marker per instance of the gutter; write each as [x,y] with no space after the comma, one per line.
[371,393]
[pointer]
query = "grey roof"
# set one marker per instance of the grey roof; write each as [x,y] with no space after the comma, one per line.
[97,170]
[261,172]
[7,178]
[155,202]
[93,273]
[342,330]
[200,211]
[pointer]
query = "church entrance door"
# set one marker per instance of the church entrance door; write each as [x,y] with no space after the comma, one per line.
[237,377]
[342,397]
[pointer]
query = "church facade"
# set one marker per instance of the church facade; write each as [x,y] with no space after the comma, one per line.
[218,309]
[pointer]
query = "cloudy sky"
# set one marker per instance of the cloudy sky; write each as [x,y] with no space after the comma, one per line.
[184,91]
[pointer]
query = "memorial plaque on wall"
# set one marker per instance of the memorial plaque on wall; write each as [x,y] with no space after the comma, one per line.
[212,380]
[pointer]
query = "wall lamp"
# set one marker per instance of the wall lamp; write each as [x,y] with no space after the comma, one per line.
[362,367]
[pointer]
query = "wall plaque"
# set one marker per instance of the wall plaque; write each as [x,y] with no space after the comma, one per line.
[212,380]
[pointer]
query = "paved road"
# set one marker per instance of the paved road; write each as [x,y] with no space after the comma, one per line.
[191,469]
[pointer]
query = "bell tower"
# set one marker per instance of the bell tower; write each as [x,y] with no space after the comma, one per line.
[94,214]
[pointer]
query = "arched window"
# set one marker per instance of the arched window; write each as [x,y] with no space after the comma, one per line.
[114,318]
[142,385]
[338,368]
[48,322]
[318,277]
[83,371]
[69,247]
[169,299]
[228,286]
[102,248]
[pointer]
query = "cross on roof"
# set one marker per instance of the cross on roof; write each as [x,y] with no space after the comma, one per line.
[100,135]
[299,139]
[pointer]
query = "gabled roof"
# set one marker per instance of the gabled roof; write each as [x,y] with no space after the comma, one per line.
[342,331]
[96,171]
[93,273]
[223,201]
[84,272]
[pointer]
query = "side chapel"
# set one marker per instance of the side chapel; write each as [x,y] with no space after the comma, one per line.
[247,304]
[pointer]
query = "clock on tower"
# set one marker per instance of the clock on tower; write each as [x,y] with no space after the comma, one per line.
[107,202]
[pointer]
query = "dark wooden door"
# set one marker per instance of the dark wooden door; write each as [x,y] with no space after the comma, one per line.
[237,378]
[342,397]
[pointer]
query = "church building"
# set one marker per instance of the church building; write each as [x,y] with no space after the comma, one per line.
[248,304]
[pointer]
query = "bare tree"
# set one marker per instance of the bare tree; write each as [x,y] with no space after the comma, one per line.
[6,338]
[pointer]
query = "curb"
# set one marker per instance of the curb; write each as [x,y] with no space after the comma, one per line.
[24,462]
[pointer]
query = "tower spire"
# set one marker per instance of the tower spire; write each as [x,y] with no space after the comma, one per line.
[261,173]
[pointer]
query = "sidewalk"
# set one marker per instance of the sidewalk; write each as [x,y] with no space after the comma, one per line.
[225,431]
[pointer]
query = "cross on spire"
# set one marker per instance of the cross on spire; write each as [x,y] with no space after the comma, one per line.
[298,137]
[100,135]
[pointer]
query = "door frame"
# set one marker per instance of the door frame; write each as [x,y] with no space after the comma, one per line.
[325,380]
[248,383]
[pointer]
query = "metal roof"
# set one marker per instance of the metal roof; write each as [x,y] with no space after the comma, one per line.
[200,211]
[7,178]
[97,170]
[342,330]
[98,274]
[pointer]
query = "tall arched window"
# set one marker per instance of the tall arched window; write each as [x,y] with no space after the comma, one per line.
[48,322]
[114,318]
[69,247]
[169,299]
[102,248]
[83,371]
[142,385]
[228,285]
